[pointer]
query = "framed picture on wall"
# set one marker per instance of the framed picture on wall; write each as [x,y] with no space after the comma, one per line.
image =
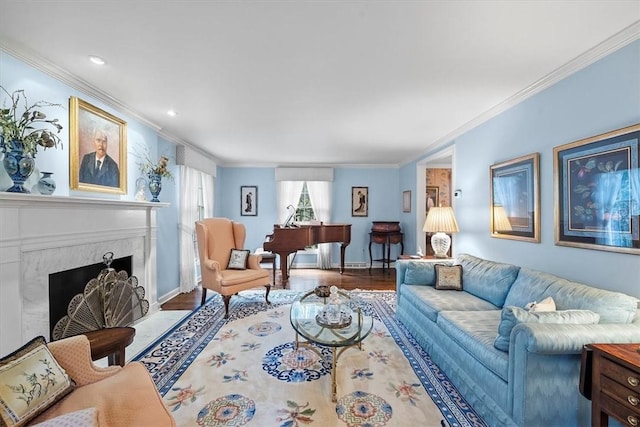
[359,201]
[515,199]
[406,201]
[597,192]
[433,197]
[97,149]
[249,200]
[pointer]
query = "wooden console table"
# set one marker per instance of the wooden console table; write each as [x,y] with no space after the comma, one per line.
[386,239]
[610,377]
[110,342]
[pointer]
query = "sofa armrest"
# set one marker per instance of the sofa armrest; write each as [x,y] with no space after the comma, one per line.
[547,338]
[74,355]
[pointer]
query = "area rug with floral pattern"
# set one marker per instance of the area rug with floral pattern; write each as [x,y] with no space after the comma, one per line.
[246,370]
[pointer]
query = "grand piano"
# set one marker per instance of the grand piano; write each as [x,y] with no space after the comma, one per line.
[287,240]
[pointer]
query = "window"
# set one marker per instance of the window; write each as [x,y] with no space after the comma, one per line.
[304,211]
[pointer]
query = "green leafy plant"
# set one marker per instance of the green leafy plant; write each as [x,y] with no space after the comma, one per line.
[26,122]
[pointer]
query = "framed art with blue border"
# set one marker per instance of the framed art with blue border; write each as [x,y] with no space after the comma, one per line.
[597,192]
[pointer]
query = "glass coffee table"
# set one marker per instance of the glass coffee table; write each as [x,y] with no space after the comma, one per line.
[309,321]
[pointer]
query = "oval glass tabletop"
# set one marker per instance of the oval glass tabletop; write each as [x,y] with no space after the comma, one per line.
[304,322]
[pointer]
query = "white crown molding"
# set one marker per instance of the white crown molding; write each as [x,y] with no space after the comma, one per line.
[610,45]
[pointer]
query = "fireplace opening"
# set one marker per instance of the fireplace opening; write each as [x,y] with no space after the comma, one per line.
[64,285]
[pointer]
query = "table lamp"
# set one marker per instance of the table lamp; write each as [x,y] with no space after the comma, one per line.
[440,220]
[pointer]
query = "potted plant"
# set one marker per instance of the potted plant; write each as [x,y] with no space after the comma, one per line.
[23,129]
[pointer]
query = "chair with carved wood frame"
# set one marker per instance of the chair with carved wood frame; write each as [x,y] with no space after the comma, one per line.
[216,238]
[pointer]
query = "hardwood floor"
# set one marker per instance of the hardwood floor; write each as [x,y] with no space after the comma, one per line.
[306,279]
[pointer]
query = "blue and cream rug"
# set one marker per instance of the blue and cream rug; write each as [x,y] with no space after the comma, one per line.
[246,371]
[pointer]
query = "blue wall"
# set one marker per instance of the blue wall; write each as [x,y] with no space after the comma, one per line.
[602,97]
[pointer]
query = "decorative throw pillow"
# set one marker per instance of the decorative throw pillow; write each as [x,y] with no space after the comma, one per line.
[448,277]
[511,316]
[30,381]
[420,273]
[238,259]
[547,304]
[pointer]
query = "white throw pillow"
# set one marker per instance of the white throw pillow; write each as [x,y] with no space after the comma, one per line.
[547,304]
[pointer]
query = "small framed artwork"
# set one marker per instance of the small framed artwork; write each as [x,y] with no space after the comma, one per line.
[97,149]
[597,192]
[406,201]
[249,200]
[359,201]
[515,199]
[433,197]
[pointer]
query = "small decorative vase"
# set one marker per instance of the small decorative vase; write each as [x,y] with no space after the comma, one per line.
[46,184]
[18,164]
[155,186]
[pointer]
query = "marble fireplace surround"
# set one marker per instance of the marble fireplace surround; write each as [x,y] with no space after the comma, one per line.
[40,235]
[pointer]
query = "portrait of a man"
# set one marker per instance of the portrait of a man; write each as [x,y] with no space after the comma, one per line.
[98,149]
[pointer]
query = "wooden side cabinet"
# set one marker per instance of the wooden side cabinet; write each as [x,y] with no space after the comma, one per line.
[613,371]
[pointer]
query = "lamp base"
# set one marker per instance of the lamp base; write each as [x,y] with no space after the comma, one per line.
[440,243]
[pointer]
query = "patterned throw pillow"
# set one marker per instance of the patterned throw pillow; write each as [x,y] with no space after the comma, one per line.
[448,277]
[238,259]
[30,381]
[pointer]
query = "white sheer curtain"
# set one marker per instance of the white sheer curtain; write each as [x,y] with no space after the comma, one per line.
[189,180]
[196,193]
[288,194]
[320,195]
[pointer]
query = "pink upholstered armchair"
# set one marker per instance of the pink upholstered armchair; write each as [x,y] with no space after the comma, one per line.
[216,238]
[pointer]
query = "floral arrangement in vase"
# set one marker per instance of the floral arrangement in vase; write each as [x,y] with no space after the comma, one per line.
[155,172]
[23,129]
[28,124]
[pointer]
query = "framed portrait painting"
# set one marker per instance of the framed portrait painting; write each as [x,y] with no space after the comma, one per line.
[249,200]
[433,197]
[515,199]
[359,201]
[98,149]
[597,192]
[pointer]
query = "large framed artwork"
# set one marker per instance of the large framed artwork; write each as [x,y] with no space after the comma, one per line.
[249,200]
[597,192]
[515,199]
[359,201]
[97,149]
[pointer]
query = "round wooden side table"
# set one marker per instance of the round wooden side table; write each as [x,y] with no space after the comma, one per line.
[110,342]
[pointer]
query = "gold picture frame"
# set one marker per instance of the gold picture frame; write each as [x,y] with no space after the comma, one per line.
[515,199]
[597,192]
[92,132]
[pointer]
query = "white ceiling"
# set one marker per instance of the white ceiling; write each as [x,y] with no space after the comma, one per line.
[312,82]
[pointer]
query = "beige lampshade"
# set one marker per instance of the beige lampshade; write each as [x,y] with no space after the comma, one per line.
[500,219]
[441,219]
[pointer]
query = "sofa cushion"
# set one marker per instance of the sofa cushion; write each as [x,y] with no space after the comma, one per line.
[449,277]
[532,285]
[420,273]
[475,332]
[511,316]
[488,280]
[431,301]
[30,382]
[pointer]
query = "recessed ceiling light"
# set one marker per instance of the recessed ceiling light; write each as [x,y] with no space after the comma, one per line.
[172,113]
[97,60]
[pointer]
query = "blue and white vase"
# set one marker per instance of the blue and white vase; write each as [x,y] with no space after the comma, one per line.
[155,186]
[18,164]
[46,184]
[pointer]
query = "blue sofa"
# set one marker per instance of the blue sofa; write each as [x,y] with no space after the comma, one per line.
[535,382]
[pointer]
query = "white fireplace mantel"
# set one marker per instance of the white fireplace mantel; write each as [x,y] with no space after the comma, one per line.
[40,235]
